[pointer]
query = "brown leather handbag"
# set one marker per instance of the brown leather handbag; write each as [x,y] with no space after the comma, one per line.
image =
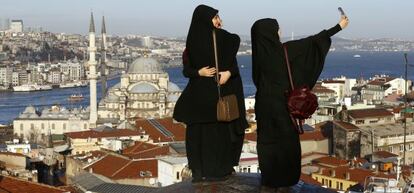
[227,106]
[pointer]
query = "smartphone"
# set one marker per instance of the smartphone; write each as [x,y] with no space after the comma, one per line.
[341,11]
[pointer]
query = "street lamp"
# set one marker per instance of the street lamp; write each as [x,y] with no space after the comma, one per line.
[405,103]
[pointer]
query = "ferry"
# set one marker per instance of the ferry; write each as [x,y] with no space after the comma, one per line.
[357,56]
[75,98]
[73,84]
[31,87]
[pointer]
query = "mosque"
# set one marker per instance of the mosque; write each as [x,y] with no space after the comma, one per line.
[143,92]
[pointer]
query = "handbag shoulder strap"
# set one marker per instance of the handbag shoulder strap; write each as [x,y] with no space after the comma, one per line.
[288,67]
[216,62]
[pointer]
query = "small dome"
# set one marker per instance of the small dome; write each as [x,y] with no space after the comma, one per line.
[145,65]
[173,87]
[111,98]
[143,88]
[116,86]
[30,110]
[172,98]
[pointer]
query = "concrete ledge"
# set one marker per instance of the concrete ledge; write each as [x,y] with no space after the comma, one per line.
[240,183]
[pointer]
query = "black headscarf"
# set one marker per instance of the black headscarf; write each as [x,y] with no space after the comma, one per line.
[201,92]
[199,38]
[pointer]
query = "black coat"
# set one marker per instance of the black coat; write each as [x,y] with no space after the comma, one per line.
[278,143]
[197,103]
[306,56]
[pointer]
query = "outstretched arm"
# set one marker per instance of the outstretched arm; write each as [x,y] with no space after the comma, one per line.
[342,24]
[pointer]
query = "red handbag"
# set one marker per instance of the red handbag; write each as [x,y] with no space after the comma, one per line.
[301,102]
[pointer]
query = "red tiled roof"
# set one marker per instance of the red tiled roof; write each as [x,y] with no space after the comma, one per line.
[355,174]
[330,161]
[309,180]
[14,185]
[346,125]
[333,81]
[177,129]
[384,154]
[117,167]
[134,168]
[102,134]
[366,113]
[321,89]
[380,80]
[312,136]
[250,136]
[108,165]
[142,150]
[250,111]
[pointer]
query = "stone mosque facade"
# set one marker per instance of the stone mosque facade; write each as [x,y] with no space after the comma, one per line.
[144,91]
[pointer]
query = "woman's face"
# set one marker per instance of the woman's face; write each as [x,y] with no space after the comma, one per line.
[217,23]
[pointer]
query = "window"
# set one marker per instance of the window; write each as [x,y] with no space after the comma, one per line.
[337,185]
[31,126]
[43,126]
[359,122]
[340,186]
[21,126]
[410,147]
[178,175]
[330,183]
[323,181]
[85,126]
[53,126]
[390,149]
[401,148]
[64,126]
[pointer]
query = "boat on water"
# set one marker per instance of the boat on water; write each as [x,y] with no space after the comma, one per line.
[31,87]
[73,84]
[75,97]
[357,56]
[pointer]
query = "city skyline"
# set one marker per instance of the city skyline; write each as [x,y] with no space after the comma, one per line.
[368,19]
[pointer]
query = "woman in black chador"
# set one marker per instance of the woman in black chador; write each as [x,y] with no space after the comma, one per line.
[213,147]
[278,143]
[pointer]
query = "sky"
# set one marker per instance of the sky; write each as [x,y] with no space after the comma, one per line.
[171,18]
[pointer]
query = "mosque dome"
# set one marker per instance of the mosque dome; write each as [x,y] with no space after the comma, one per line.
[143,88]
[173,87]
[145,65]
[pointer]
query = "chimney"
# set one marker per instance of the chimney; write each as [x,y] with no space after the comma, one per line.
[347,176]
[333,173]
[344,114]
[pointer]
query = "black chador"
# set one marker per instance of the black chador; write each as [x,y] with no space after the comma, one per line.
[278,142]
[213,147]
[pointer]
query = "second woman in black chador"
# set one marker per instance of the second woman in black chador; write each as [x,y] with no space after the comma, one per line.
[278,144]
[213,147]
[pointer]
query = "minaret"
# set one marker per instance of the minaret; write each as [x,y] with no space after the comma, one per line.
[103,58]
[92,75]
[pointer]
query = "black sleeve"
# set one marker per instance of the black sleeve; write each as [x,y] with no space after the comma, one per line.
[334,30]
[188,70]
